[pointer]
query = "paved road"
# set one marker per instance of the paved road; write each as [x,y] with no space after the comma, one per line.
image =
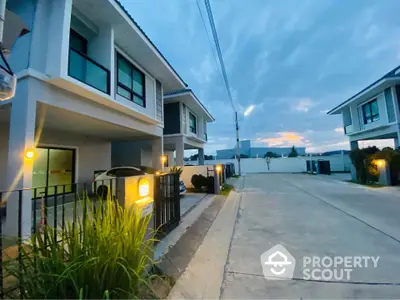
[314,216]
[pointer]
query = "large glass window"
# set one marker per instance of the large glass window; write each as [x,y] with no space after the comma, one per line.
[130,82]
[370,112]
[54,169]
[192,123]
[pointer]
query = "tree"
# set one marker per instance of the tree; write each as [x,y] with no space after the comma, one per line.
[293,152]
[270,154]
[208,157]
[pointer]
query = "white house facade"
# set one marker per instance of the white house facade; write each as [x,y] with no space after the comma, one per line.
[186,121]
[373,113]
[88,77]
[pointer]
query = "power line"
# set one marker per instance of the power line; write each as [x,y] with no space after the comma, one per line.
[224,75]
[221,60]
[209,40]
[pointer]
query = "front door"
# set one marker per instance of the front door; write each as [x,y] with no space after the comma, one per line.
[53,168]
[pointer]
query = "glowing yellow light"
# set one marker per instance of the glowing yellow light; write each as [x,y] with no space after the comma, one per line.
[218,168]
[29,153]
[158,172]
[380,162]
[164,158]
[144,187]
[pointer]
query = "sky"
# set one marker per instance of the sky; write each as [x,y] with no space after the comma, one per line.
[292,60]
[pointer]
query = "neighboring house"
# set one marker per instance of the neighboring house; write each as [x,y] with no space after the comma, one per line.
[373,113]
[185,128]
[88,76]
[253,152]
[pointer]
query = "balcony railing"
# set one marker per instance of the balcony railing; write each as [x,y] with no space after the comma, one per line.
[88,71]
[348,129]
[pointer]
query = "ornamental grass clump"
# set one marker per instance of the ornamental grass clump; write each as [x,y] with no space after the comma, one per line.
[106,253]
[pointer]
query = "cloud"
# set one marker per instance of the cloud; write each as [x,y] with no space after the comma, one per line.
[283,139]
[339,129]
[303,105]
[204,72]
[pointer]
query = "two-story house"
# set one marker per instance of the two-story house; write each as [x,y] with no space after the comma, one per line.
[373,113]
[88,76]
[185,128]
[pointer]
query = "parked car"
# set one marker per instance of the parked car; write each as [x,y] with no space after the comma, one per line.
[104,181]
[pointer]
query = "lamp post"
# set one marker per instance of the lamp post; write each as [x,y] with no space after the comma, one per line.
[163,160]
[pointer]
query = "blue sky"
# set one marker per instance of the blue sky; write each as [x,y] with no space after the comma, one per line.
[292,59]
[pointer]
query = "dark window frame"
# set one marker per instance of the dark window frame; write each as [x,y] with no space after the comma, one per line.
[85,56]
[195,123]
[130,90]
[73,177]
[367,107]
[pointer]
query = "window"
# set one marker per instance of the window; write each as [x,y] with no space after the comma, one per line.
[130,81]
[192,123]
[370,112]
[78,42]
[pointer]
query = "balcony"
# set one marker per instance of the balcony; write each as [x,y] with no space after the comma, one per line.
[348,129]
[88,71]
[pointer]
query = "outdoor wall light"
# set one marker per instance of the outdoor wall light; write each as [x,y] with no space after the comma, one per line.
[144,187]
[380,162]
[29,153]
[218,168]
[163,159]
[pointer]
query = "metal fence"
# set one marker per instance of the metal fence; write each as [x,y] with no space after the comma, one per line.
[167,209]
[52,205]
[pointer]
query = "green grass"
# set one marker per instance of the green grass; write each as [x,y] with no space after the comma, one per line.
[226,189]
[105,255]
[369,184]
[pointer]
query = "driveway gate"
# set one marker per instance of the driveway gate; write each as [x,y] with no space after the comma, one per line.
[167,209]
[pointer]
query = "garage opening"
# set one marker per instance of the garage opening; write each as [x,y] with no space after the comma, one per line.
[53,167]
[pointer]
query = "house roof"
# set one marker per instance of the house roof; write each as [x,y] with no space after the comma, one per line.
[182,92]
[149,40]
[394,73]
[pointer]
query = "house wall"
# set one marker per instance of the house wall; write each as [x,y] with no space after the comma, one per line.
[189,171]
[46,49]
[172,118]
[4,132]
[91,153]
[134,153]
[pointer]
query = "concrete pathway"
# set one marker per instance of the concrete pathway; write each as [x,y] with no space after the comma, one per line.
[315,216]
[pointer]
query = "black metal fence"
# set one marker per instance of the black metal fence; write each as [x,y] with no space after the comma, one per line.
[167,209]
[52,205]
[58,205]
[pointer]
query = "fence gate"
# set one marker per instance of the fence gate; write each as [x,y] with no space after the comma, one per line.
[167,209]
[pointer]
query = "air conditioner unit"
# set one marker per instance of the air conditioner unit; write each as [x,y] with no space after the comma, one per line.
[13,28]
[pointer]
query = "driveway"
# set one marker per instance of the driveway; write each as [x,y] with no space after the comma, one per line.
[314,216]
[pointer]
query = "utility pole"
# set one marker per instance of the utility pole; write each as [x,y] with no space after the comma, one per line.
[238,143]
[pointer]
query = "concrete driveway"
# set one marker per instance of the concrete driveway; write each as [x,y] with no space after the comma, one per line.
[314,216]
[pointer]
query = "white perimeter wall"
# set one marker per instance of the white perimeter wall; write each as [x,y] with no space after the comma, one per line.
[189,171]
[288,164]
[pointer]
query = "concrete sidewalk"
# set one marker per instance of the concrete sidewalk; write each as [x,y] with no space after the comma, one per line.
[204,275]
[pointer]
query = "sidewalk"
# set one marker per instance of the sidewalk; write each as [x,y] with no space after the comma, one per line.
[204,274]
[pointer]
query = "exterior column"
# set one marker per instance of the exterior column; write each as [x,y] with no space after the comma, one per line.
[201,156]
[157,152]
[19,168]
[353,146]
[180,150]
[170,155]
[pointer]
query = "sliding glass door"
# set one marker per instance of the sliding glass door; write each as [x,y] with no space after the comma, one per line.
[53,167]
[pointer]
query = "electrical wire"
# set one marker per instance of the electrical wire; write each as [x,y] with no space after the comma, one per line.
[221,60]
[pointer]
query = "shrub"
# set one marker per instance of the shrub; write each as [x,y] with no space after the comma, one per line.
[104,255]
[199,181]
